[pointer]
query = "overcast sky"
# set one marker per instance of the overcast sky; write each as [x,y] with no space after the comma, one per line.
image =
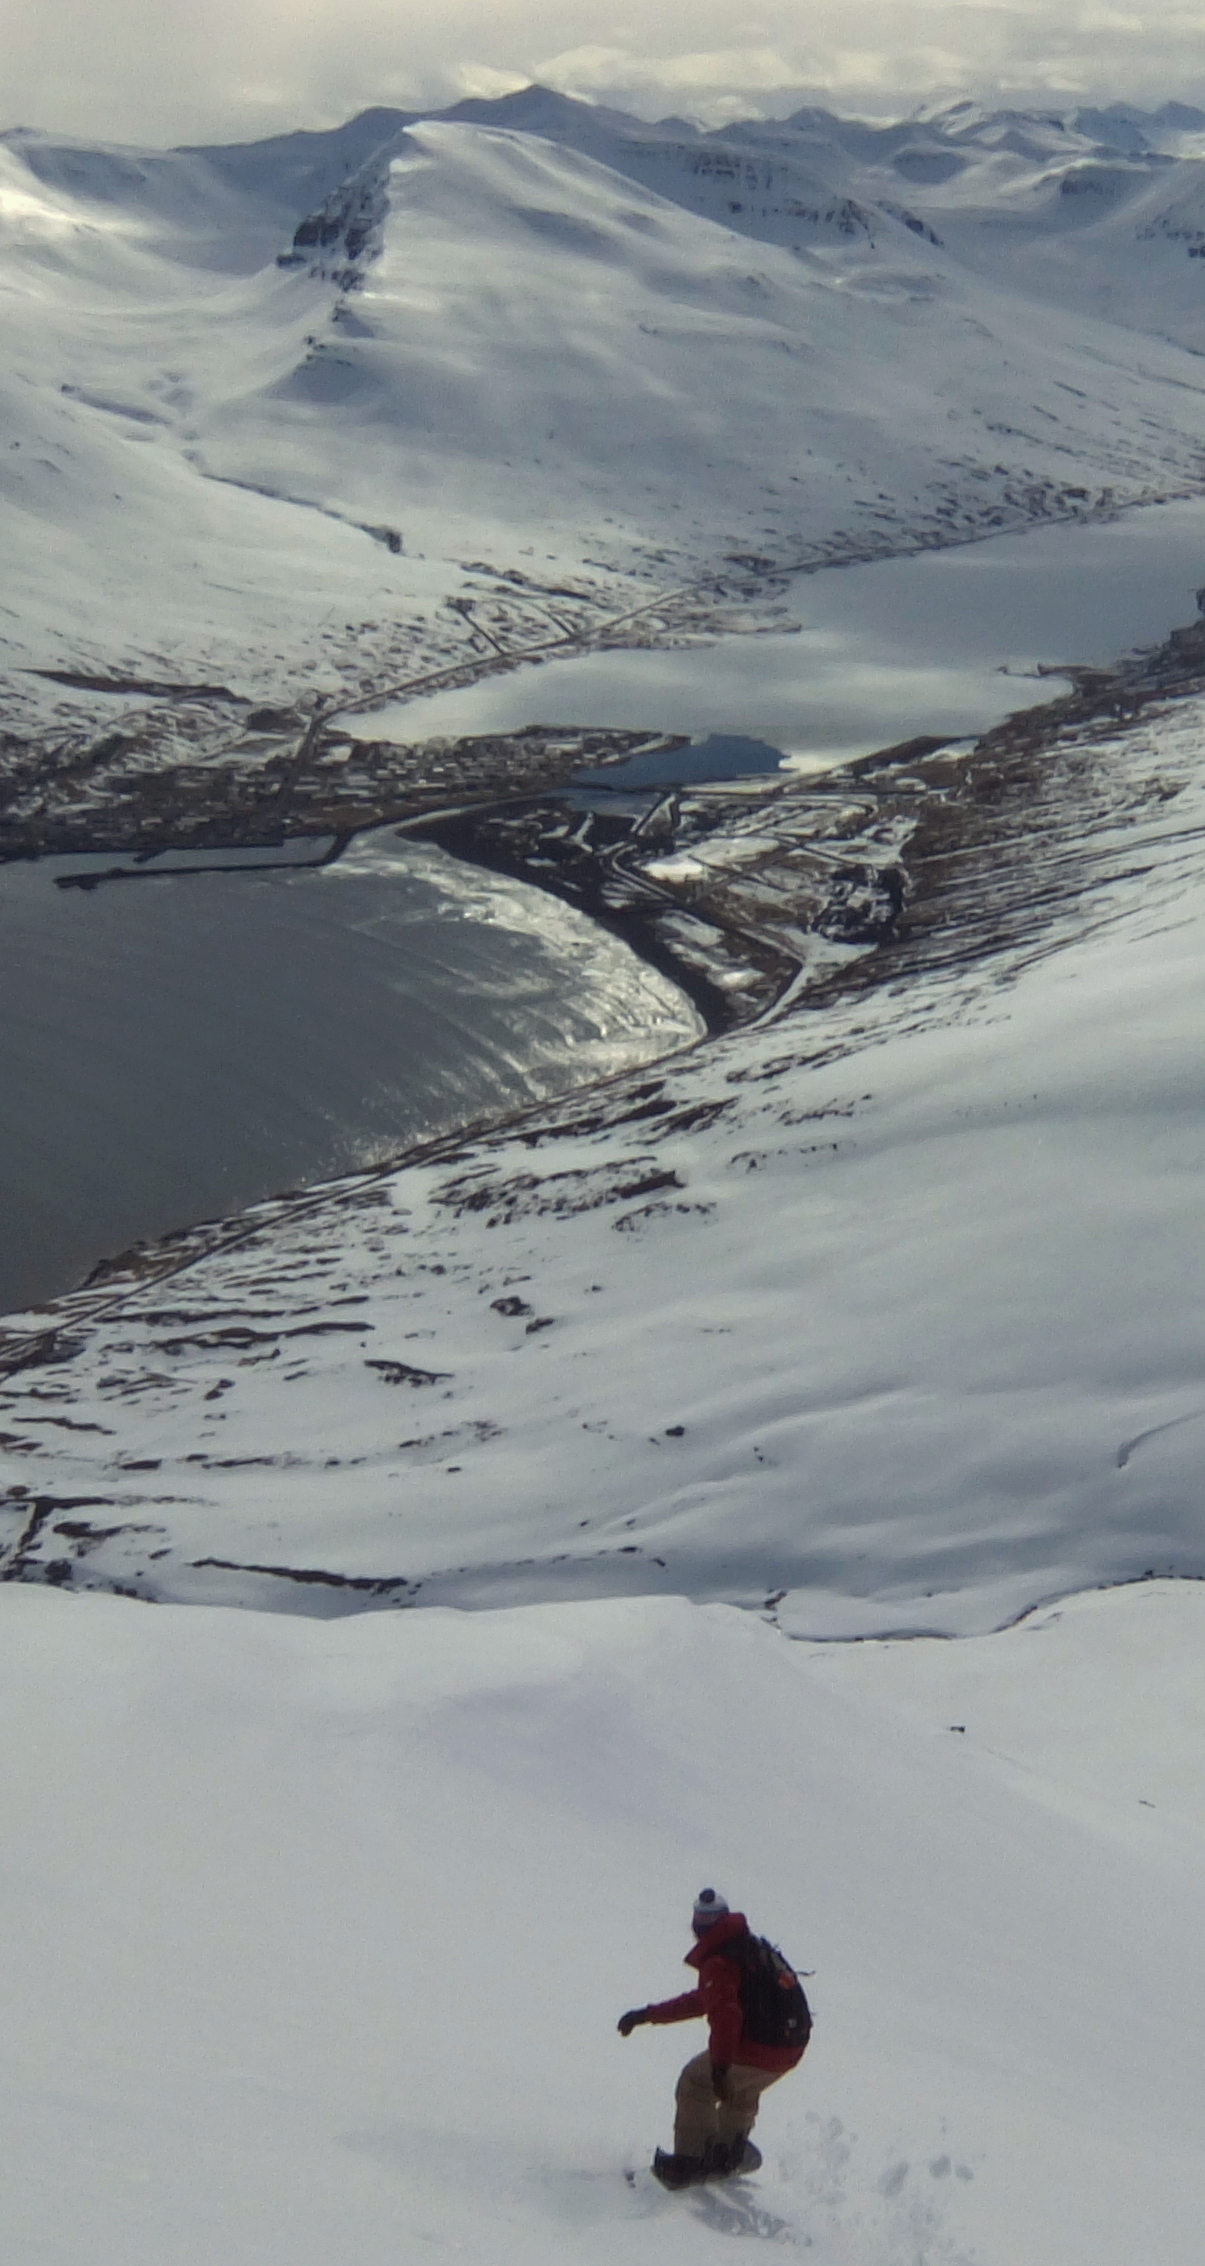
[157,71]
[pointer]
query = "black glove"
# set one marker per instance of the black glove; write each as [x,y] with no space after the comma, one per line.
[632,2021]
[719,2079]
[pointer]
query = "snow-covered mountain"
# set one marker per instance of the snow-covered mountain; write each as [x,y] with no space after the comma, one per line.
[532,330]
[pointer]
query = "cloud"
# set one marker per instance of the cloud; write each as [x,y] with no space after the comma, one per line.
[486,83]
[720,67]
[158,70]
[903,49]
[713,83]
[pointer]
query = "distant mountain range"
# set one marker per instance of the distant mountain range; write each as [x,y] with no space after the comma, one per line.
[539,329]
[1122,173]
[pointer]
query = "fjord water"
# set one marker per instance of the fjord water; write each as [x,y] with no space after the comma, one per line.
[947,642]
[172,1048]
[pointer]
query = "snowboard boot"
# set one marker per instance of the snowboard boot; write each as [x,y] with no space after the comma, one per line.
[726,2159]
[677,2171]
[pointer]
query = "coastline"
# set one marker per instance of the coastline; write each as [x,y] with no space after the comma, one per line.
[866,851]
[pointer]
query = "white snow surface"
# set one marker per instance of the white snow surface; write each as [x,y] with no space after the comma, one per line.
[314,1936]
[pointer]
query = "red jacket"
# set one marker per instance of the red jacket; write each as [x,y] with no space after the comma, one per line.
[719,1998]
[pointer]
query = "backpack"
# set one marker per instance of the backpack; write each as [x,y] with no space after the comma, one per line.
[773,2002]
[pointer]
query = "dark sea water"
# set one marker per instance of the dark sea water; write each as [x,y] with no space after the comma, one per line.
[172,1048]
[175,1048]
[947,642]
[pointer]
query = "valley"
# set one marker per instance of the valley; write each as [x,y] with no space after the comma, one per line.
[603,919]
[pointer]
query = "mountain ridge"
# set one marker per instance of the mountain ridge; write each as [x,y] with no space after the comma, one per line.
[630,353]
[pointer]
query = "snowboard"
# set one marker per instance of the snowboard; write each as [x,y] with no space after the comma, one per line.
[724,2204]
[750,2162]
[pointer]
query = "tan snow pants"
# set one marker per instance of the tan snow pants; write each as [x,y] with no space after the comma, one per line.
[702,2118]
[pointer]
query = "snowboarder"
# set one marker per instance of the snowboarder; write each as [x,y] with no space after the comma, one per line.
[759,2027]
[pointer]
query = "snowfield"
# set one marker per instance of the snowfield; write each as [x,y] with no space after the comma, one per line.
[315,1935]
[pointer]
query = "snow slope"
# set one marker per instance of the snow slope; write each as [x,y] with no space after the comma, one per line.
[887,1308]
[1111,223]
[314,1938]
[522,310]
[120,556]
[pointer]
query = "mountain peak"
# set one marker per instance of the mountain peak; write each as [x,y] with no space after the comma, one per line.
[524,107]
